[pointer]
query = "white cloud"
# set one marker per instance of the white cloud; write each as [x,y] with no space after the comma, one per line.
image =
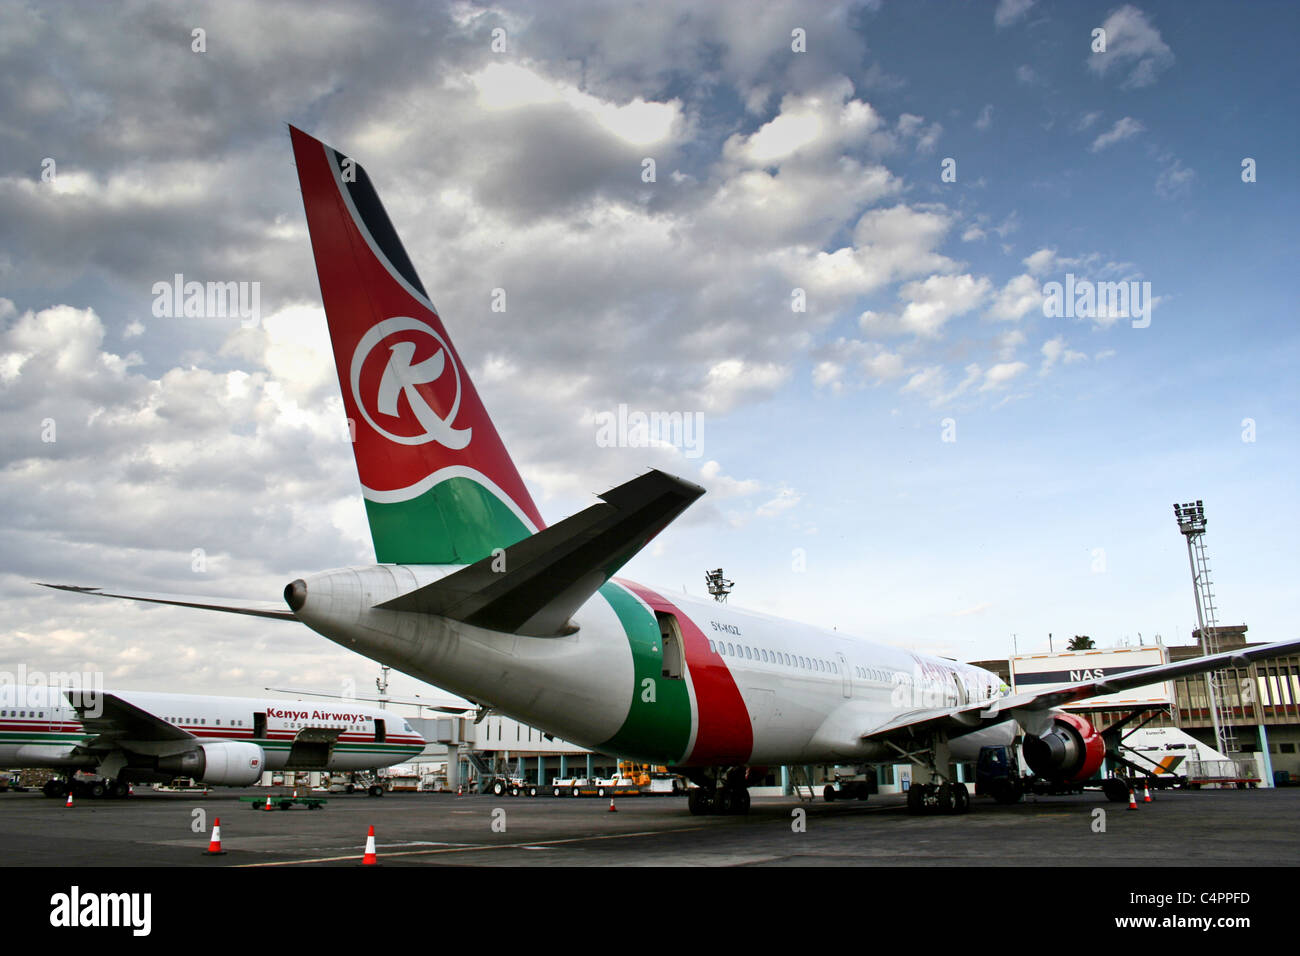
[1132,44]
[1000,375]
[1175,180]
[930,304]
[1009,11]
[808,124]
[1055,350]
[1020,296]
[786,498]
[1123,129]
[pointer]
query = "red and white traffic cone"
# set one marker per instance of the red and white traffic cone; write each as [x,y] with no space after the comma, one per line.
[68,805]
[1132,800]
[460,790]
[214,846]
[1146,793]
[612,808]
[268,803]
[371,858]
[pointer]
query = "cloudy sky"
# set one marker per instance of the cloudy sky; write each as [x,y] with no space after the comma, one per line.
[839,268]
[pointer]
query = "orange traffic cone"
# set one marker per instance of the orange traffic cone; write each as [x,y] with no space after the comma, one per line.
[612,808]
[371,858]
[1132,800]
[1146,793]
[68,805]
[214,847]
[268,803]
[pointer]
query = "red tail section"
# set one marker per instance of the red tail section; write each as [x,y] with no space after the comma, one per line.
[440,487]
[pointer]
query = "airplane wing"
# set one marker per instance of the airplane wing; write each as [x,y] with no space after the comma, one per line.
[113,719]
[1031,709]
[272,609]
[537,583]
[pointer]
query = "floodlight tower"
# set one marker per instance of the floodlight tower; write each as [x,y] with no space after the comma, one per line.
[719,586]
[1191,522]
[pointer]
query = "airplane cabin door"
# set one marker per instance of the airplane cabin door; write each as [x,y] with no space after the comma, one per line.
[846,676]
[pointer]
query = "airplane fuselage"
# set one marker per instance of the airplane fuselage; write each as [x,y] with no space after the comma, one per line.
[669,679]
[38,728]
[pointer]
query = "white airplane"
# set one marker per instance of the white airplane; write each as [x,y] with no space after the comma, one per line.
[126,737]
[475,594]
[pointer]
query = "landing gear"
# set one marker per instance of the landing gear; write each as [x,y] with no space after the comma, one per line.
[728,800]
[1116,789]
[54,787]
[938,793]
[719,790]
[938,798]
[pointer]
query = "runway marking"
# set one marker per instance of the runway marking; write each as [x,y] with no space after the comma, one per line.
[531,845]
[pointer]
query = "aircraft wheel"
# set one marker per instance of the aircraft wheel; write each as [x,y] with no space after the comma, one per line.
[1115,790]
[828,793]
[946,802]
[960,798]
[916,799]
[97,789]
[54,788]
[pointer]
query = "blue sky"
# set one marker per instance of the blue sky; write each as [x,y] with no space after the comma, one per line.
[776,170]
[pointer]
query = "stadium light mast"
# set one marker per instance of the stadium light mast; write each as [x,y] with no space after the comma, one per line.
[719,586]
[1191,523]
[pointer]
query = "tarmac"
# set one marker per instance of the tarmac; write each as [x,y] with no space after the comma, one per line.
[1179,829]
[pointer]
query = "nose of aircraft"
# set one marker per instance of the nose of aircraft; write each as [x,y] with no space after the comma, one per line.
[295,594]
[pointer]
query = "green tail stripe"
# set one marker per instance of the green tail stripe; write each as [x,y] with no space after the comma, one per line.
[458,521]
[658,723]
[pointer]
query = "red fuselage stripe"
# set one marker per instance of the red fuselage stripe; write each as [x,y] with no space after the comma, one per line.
[723,734]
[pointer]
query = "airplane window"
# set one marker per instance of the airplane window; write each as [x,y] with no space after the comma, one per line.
[711,648]
[749,653]
[731,650]
[763,651]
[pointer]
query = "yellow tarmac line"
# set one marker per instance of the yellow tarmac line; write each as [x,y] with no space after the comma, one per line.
[486,846]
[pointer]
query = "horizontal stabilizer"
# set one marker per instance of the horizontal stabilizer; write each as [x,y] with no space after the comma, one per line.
[536,585]
[273,609]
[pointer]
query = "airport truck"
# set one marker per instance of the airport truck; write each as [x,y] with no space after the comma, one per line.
[851,783]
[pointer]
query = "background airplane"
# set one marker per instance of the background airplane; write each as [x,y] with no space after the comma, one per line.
[127,737]
[475,594]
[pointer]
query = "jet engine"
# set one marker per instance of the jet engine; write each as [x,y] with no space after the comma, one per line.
[1071,751]
[230,763]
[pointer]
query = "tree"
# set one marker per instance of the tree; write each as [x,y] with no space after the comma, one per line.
[1081,642]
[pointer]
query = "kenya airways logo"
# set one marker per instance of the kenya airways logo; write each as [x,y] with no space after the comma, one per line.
[401,376]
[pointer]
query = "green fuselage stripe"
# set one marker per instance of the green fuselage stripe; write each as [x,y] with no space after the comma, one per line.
[658,723]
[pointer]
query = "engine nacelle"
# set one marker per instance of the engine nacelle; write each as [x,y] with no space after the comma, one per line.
[1071,751]
[230,763]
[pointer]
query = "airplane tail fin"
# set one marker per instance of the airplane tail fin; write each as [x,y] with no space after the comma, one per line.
[439,485]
